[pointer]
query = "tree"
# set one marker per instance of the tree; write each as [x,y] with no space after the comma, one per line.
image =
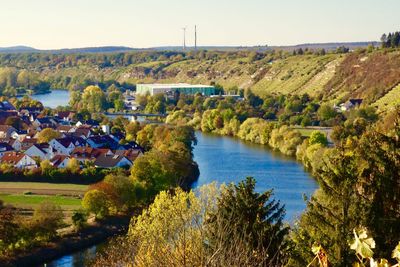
[170,232]
[317,137]
[252,217]
[8,227]
[47,218]
[326,112]
[379,161]
[97,202]
[93,99]
[73,165]
[48,134]
[15,122]
[131,130]
[79,219]
[46,166]
[332,212]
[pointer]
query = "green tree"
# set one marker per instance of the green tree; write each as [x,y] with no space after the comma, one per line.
[131,130]
[332,212]
[47,134]
[97,202]
[73,165]
[93,99]
[317,137]
[254,218]
[326,112]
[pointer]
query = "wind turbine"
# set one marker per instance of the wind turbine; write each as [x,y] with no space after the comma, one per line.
[195,37]
[184,38]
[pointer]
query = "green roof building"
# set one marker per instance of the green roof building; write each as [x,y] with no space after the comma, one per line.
[181,88]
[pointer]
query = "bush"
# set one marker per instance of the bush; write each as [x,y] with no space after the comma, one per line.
[47,218]
[317,137]
[79,219]
[97,202]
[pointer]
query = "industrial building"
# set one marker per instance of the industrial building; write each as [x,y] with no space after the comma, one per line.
[172,89]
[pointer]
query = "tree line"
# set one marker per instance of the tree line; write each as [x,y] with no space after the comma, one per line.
[390,40]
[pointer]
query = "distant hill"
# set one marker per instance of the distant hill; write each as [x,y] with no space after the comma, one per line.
[326,46]
[17,49]
[118,49]
[101,49]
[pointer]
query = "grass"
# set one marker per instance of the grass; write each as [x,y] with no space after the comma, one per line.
[48,186]
[389,101]
[31,201]
[306,131]
[42,188]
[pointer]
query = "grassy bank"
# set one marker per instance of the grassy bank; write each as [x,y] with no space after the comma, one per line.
[31,201]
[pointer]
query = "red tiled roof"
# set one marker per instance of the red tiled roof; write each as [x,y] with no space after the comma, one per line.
[12,157]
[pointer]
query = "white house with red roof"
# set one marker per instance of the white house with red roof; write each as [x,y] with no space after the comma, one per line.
[18,160]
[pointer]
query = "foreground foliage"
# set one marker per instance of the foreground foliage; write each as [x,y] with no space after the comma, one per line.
[233,226]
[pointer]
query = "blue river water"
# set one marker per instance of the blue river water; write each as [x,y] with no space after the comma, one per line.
[224,160]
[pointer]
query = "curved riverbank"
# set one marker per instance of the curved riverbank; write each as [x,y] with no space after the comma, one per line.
[91,235]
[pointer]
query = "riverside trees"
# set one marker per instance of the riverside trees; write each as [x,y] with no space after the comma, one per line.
[233,226]
[359,186]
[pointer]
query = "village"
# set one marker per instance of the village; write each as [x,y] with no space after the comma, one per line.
[85,141]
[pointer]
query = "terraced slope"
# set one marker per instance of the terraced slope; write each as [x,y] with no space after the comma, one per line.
[290,75]
[389,101]
[317,83]
[365,75]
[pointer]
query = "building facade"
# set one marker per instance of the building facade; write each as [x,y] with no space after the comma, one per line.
[181,88]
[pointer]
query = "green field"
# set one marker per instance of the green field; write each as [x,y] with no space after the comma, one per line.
[42,188]
[30,201]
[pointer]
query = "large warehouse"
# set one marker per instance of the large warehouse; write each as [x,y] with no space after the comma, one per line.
[181,88]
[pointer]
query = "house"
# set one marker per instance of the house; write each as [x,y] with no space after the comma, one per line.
[65,115]
[4,148]
[6,106]
[66,145]
[83,132]
[4,115]
[131,154]
[112,161]
[44,122]
[18,160]
[60,161]
[14,143]
[102,141]
[31,110]
[350,104]
[65,129]
[91,123]
[6,131]
[89,154]
[26,143]
[42,151]
[20,135]
[117,136]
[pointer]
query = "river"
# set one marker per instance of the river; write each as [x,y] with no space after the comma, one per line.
[224,160]
[53,99]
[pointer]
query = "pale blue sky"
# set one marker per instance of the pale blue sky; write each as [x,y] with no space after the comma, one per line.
[77,23]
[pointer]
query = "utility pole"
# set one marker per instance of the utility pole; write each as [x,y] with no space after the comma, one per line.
[184,38]
[195,37]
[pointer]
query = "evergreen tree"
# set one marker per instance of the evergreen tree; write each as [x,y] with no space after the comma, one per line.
[254,218]
[332,213]
[379,156]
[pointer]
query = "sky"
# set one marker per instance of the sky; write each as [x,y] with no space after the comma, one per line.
[54,24]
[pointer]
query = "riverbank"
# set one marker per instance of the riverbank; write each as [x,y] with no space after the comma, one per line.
[93,234]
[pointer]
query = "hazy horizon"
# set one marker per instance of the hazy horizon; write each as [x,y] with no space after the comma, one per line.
[46,24]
